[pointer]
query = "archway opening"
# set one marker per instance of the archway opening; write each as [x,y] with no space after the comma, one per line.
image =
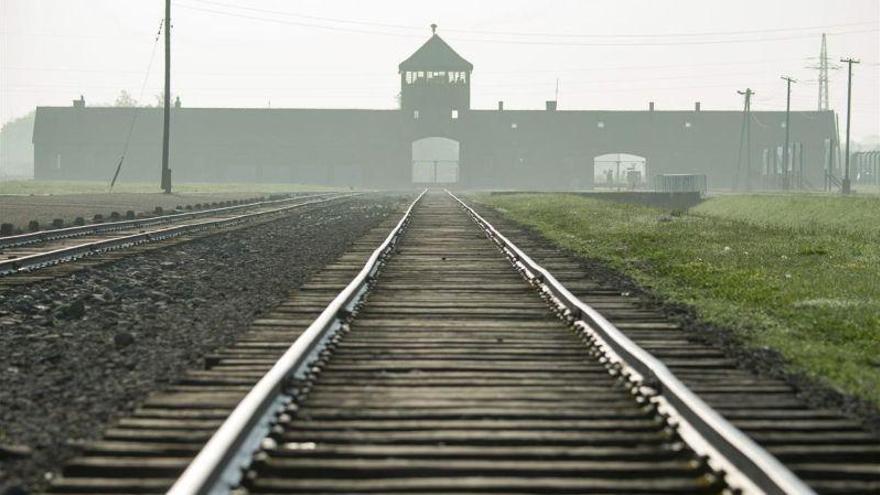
[620,171]
[435,160]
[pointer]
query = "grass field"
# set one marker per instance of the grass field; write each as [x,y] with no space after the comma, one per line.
[797,274]
[810,214]
[88,187]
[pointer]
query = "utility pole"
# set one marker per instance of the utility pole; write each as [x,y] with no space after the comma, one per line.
[166,131]
[845,186]
[745,133]
[785,173]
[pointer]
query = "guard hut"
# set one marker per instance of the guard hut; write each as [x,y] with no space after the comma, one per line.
[435,79]
[435,93]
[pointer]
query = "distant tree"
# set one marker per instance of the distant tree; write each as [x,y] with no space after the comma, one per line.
[16,149]
[125,100]
[160,99]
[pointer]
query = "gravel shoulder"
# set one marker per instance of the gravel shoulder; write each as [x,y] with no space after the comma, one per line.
[77,352]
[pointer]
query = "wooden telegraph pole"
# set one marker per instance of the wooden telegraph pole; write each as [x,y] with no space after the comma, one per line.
[845,185]
[166,171]
[745,135]
[786,177]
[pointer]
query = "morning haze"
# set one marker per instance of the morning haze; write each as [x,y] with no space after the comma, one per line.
[506,247]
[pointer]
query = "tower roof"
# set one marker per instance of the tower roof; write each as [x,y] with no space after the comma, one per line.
[435,54]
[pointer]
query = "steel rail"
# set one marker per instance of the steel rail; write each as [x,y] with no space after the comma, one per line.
[219,465]
[48,258]
[703,428]
[100,228]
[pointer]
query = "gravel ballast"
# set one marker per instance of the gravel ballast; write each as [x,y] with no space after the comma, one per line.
[75,352]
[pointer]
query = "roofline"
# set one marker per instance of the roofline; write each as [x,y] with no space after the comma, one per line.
[405,65]
[479,110]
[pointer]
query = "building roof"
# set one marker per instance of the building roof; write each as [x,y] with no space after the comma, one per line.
[435,54]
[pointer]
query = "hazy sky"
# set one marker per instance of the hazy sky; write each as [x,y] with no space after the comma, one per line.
[344,53]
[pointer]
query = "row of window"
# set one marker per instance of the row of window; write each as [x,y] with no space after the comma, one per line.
[435,76]
[453,114]
[513,125]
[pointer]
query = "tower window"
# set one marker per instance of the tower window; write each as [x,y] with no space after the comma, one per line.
[416,114]
[455,114]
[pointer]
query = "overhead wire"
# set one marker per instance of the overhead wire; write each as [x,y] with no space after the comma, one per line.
[655,36]
[137,110]
[597,68]
[505,41]
[526,34]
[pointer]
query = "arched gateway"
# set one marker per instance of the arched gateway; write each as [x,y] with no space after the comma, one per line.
[435,160]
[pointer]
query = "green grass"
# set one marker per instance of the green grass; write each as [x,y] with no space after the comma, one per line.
[814,214]
[798,274]
[86,187]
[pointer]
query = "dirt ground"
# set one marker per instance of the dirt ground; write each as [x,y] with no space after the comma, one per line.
[20,210]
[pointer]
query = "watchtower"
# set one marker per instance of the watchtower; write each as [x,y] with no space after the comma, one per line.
[435,80]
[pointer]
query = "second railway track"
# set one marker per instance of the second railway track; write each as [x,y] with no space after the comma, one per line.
[440,370]
[27,253]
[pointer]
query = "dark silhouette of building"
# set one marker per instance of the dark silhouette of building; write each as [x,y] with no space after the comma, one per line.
[434,137]
[435,80]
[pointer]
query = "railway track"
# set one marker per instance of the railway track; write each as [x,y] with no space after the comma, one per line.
[26,253]
[441,369]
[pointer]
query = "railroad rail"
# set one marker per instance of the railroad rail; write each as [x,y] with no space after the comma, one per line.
[33,251]
[41,236]
[220,462]
[453,362]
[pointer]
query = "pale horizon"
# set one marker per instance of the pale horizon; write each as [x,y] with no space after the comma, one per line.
[264,53]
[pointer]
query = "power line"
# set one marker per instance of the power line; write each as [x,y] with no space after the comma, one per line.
[667,35]
[293,23]
[247,72]
[137,110]
[523,33]
[318,18]
[515,42]
[675,43]
[573,82]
